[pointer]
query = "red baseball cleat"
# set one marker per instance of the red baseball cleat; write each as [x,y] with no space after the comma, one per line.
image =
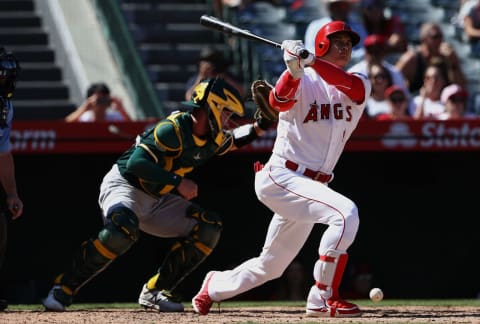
[202,302]
[335,308]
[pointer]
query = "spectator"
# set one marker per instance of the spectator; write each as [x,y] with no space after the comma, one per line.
[428,104]
[99,105]
[459,18]
[375,52]
[412,64]
[454,97]
[471,24]
[398,102]
[338,10]
[212,64]
[219,6]
[381,79]
[10,204]
[391,27]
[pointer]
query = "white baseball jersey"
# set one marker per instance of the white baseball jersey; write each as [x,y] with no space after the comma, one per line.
[314,131]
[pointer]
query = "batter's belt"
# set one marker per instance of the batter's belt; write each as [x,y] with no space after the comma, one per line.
[314,175]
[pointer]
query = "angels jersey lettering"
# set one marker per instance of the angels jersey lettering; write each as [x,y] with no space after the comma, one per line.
[329,118]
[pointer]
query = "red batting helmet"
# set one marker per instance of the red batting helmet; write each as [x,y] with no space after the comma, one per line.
[322,42]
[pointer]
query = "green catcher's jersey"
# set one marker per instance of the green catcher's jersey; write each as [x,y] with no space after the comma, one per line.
[173,149]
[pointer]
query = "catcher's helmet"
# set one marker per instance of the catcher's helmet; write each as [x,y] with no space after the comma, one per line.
[215,95]
[322,41]
[9,69]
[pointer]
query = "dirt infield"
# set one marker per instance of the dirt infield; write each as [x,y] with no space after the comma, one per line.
[384,314]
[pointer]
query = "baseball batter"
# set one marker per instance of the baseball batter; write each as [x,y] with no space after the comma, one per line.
[147,190]
[320,106]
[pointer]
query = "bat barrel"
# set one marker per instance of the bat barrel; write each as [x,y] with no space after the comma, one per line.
[226,28]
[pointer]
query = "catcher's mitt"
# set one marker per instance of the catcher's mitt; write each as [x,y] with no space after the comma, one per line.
[265,115]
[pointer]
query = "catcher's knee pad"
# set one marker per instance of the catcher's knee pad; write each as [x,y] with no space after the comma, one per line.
[116,237]
[206,232]
[121,231]
[186,254]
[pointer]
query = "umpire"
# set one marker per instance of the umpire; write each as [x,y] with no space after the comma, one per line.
[10,203]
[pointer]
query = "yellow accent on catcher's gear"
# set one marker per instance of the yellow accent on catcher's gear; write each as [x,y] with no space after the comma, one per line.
[164,146]
[151,284]
[168,159]
[215,95]
[149,151]
[103,250]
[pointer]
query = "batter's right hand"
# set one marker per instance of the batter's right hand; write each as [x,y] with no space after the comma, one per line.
[188,189]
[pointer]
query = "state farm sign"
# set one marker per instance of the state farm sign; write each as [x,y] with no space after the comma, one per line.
[33,139]
[432,135]
[38,137]
[445,136]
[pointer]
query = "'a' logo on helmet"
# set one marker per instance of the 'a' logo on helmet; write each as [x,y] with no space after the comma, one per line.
[199,92]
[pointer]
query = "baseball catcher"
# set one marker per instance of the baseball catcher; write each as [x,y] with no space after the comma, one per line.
[147,190]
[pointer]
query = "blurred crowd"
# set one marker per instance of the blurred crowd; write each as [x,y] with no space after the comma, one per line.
[413,76]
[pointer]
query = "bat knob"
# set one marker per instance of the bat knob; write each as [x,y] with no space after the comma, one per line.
[304,54]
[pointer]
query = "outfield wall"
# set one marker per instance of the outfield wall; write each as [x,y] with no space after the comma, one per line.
[418,231]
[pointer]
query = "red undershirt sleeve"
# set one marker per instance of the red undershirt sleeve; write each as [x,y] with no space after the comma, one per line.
[281,97]
[348,83]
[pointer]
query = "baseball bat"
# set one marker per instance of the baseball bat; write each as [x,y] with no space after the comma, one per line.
[229,29]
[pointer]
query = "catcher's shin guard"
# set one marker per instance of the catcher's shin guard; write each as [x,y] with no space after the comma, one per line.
[187,253]
[94,255]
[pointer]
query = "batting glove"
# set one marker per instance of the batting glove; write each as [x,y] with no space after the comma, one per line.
[293,52]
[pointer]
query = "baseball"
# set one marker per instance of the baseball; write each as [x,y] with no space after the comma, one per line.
[376,294]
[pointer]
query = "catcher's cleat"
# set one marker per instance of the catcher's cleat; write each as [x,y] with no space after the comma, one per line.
[161,300]
[57,300]
[202,302]
[335,308]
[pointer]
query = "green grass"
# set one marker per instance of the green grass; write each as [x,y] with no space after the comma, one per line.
[387,302]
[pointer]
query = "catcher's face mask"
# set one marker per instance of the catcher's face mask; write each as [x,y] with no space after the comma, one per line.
[220,100]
